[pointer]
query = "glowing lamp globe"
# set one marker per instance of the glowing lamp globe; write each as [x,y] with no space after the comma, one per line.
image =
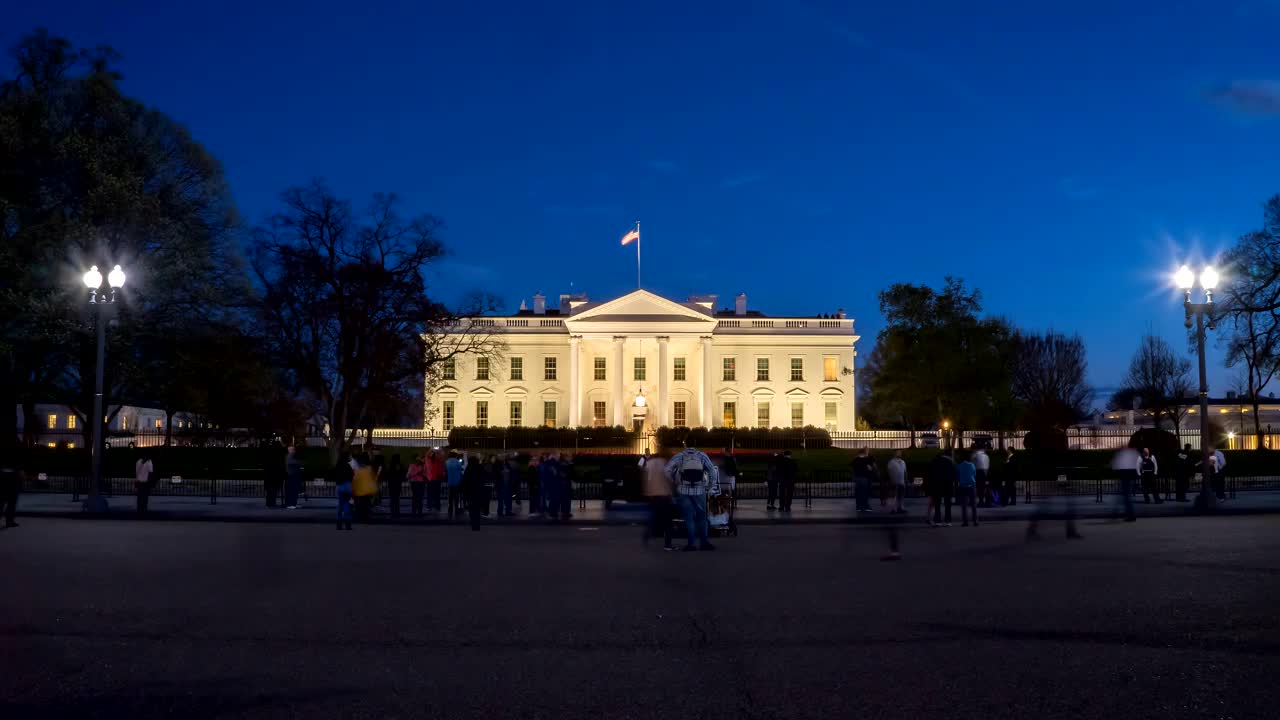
[116,278]
[1209,278]
[1184,278]
[93,278]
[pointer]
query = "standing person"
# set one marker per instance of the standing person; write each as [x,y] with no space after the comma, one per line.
[394,477]
[1125,464]
[941,486]
[293,478]
[342,476]
[1148,467]
[473,479]
[1185,468]
[1219,474]
[417,477]
[982,465]
[657,491]
[897,472]
[566,486]
[501,475]
[864,473]
[364,486]
[437,475]
[276,459]
[12,475]
[549,477]
[729,470]
[1010,494]
[771,481]
[693,475]
[786,472]
[967,490]
[143,474]
[453,475]
[535,487]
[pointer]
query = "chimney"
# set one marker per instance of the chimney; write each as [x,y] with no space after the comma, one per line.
[740,304]
[539,304]
[840,314]
[564,304]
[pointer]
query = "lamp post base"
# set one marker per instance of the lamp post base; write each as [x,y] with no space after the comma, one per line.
[97,507]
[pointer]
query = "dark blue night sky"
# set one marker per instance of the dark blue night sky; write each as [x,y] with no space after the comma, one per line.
[1060,156]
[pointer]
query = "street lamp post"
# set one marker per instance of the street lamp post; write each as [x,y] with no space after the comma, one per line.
[101,304]
[1185,280]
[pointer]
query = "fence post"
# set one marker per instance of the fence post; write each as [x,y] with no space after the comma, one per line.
[213,491]
[75,489]
[808,491]
[1098,483]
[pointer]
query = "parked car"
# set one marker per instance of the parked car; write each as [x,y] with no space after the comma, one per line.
[982,441]
[929,440]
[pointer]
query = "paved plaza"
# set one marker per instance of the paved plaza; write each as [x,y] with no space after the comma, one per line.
[1167,618]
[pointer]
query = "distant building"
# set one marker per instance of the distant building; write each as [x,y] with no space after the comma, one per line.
[61,426]
[1234,414]
[644,361]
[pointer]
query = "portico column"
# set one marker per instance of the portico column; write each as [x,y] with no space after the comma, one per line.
[575,382]
[619,405]
[704,394]
[662,401]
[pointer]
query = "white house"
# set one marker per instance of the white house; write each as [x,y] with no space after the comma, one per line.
[644,361]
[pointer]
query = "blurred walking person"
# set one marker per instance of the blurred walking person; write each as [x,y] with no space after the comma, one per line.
[342,476]
[1149,469]
[12,475]
[437,475]
[417,478]
[473,483]
[293,478]
[503,475]
[967,491]
[1185,469]
[657,491]
[1219,465]
[566,486]
[864,473]
[394,476]
[549,476]
[786,472]
[1125,464]
[1010,494]
[771,482]
[982,465]
[531,473]
[276,470]
[896,470]
[729,470]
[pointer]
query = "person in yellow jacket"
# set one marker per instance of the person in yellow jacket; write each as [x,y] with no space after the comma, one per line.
[364,486]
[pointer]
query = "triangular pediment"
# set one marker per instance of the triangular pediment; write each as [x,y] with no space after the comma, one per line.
[641,306]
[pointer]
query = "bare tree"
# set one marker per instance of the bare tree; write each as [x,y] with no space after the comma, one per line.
[344,306]
[1160,380]
[1048,378]
[1253,346]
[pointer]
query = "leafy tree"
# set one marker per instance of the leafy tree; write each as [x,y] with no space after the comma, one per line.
[1159,380]
[1049,379]
[91,176]
[936,358]
[344,307]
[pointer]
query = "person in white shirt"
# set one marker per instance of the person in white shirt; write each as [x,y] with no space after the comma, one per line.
[982,464]
[142,472]
[897,468]
[1219,474]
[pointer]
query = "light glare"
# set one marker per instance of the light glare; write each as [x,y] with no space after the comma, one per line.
[93,278]
[116,278]
[1184,278]
[1209,278]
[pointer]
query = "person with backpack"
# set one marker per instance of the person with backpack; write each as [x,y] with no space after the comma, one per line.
[143,481]
[967,491]
[1148,468]
[693,476]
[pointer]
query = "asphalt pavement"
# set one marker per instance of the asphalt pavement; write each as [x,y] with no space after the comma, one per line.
[1170,618]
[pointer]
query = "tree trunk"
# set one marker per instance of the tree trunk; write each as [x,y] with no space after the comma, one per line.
[9,399]
[28,423]
[168,428]
[1257,423]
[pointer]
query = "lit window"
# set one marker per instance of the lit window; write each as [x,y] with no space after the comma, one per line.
[482,368]
[482,413]
[830,415]
[71,446]
[52,444]
[449,370]
[762,369]
[762,416]
[730,414]
[53,422]
[678,372]
[797,414]
[601,372]
[517,368]
[159,424]
[517,412]
[830,368]
[730,369]
[124,423]
[679,414]
[549,368]
[639,369]
[71,422]
[797,369]
[598,413]
[549,413]
[447,414]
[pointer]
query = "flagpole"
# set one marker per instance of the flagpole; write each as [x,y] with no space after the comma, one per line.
[638,255]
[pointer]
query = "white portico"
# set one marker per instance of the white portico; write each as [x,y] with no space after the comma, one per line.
[644,361]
